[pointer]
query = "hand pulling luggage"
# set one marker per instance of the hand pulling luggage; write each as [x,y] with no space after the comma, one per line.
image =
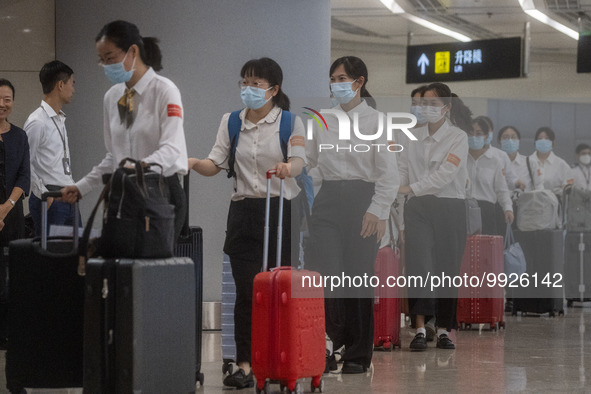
[481,305]
[45,311]
[288,333]
[139,326]
[386,307]
[190,244]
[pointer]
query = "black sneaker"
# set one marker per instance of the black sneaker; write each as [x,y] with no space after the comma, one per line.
[239,379]
[443,342]
[419,343]
[331,364]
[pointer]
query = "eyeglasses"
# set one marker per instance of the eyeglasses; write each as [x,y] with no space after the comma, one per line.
[110,59]
[256,84]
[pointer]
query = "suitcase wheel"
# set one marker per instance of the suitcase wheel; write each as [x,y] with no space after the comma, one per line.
[298,389]
[199,377]
[265,389]
[317,383]
[502,325]
[569,303]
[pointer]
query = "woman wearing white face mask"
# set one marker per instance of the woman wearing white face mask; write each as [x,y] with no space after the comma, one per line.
[582,171]
[349,213]
[556,172]
[487,182]
[509,138]
[433,174]
[143,114]
[258,150]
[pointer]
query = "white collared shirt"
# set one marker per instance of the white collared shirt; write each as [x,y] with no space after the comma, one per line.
[519,166]
[47,149]
[510,175]
[582,176]
[487,182]
[155,136]
[258,150]
[555,171]
[436,165]
[375,166]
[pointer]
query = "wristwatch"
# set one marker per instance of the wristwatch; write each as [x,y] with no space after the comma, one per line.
[12,202]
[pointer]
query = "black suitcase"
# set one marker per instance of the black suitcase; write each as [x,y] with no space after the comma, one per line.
[543,250]
[577,267]
[190,244]
[45,313]
[139,326]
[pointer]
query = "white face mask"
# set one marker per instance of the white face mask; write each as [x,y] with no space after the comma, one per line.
[433,114]
[585,159]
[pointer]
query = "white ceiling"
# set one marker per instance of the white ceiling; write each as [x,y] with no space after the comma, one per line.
[370,22]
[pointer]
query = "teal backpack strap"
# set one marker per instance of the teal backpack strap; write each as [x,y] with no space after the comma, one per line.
[234,126]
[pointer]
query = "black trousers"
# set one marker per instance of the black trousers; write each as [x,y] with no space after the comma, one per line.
[490,219]
[335,247]
[435,230]
[244,245]
[177,198]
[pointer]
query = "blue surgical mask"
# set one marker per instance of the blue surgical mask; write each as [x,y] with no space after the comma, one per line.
[510,146]
[476,142]
[117,73]
[417,111]
[343,91]
[253,98]
[488,139]
[543,146]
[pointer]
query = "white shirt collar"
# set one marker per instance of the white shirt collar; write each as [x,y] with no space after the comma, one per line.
[142,84]
[50,111]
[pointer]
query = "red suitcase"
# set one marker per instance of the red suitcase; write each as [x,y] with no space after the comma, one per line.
[386,307]
[483,256]
[288,334]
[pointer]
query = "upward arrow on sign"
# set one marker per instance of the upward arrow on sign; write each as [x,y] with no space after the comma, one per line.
[423,62]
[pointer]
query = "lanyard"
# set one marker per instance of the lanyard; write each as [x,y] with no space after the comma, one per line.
[65,159]
[62,137]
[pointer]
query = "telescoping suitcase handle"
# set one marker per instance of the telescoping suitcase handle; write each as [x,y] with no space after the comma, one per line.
[56,194]
[270,174]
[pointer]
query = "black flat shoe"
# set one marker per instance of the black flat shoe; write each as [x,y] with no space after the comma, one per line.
[443,342]
[331,364]
[350,367]
[419,343]
[239,379]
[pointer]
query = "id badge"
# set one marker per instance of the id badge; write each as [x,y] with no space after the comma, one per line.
[66,163]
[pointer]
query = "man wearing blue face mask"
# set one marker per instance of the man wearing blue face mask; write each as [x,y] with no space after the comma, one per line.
[556,172]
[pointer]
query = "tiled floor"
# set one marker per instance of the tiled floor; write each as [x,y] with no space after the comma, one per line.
[534,354]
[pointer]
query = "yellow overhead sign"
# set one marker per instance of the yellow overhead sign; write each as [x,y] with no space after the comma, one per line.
[442,61]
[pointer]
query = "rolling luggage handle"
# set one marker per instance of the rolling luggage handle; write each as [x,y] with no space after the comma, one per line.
[56,194]
[270,174]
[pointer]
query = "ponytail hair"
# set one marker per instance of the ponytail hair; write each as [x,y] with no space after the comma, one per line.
[125,34]
[459,115]
[268,69]
[355,68]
